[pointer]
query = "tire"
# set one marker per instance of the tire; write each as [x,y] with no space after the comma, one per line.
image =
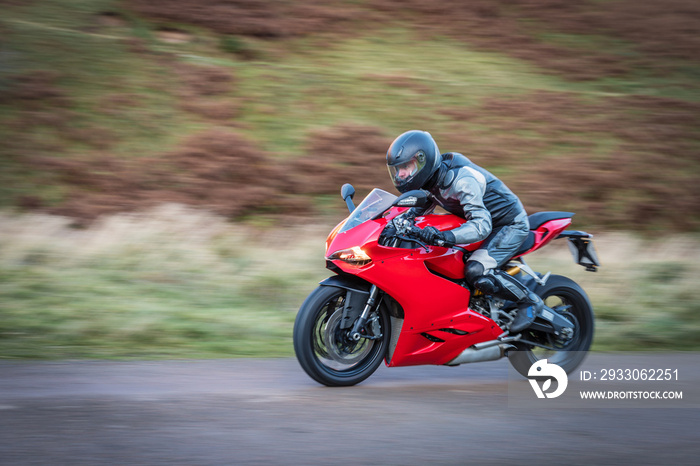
[560,291]
[321,349]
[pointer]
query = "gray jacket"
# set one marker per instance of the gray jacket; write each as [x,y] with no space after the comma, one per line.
[467,190]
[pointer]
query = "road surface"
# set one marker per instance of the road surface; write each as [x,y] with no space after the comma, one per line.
[269,412]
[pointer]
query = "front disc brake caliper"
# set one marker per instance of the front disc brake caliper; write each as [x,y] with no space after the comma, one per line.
[374,328]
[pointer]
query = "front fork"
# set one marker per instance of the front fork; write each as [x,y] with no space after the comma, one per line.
[355,333]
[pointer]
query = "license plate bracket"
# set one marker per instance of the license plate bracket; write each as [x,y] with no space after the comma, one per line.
[583,251]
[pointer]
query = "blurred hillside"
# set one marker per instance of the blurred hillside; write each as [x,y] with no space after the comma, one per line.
[256,108]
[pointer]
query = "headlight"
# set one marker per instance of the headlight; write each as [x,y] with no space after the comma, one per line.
[354,256]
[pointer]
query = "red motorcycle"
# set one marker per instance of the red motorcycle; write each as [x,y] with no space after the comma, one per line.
[396,299]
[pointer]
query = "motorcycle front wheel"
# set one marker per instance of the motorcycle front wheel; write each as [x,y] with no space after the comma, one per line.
[323,349]
[567,297]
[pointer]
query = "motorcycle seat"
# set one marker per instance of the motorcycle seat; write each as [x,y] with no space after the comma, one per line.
[540,218]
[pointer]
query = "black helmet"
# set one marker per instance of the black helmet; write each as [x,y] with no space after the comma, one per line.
[412,159]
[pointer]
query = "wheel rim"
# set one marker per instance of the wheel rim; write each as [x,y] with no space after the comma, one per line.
[331,348]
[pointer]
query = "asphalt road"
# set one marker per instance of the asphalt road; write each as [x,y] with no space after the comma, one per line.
[269,412]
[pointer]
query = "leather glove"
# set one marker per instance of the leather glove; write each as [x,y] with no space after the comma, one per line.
[431,235]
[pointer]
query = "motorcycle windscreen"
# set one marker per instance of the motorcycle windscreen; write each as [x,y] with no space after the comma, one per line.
[371,207]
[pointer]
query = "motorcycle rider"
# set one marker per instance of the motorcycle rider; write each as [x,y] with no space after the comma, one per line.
[493,213]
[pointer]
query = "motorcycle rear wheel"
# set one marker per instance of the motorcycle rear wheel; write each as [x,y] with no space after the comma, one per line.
[323,350]
[560,293]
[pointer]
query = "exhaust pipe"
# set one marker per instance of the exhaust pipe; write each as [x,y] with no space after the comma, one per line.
[472,354]
[487,344]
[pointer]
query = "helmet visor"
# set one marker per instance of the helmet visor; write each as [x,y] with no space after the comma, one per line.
[402,173]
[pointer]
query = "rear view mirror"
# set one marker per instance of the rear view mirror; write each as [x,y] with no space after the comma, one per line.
[347,192]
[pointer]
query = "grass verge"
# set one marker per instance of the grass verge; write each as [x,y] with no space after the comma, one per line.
[179,282]
[173,283]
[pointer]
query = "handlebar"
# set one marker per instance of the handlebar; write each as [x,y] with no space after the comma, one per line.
[403,228]
[415,231]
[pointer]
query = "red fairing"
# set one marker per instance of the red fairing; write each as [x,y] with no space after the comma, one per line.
[432,304]
[547,232]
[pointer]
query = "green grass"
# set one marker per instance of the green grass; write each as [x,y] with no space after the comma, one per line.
[178,282]
[346,81]
[150,286]
[90,67]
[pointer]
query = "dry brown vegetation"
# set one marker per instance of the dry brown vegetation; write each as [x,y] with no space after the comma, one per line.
[202,88]
[657,29]
[217,169]
[257,18]
[222,171]
[652,178]
[550,142]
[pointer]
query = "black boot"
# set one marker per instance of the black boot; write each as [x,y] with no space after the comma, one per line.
[500,284]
